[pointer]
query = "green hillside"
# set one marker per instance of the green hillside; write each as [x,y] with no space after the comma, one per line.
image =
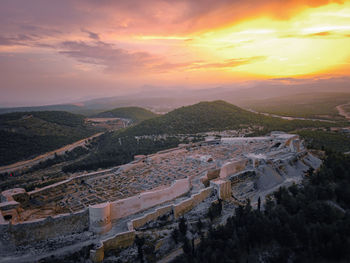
[27,134]
[136,114]
[214,116]
[119,147]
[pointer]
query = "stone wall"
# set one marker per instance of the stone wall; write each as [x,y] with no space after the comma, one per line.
[121,240]
[36,230]
[141,221]
[223,188]
[100,218]
[188,204]
[232,168]
[210,175]
[132,205]
[62,184]
[127,239]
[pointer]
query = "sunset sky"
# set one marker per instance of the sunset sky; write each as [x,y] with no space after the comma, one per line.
[63,51]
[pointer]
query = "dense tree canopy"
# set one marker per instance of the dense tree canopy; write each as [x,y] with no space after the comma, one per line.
[302,223]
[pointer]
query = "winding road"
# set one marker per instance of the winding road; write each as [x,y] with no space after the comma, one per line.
[288,117]
[28,163]
[342,112]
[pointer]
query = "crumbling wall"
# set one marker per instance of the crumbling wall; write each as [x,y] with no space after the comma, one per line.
[188,204]
[132,205]
[223,188]
[210,175]
[30,231]
[233,167]
[141,221]
[121,240]
[62,184]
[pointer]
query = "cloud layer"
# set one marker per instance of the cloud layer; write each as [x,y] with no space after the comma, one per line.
[119,45]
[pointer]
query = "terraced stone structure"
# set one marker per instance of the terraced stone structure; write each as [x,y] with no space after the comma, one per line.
[109,206]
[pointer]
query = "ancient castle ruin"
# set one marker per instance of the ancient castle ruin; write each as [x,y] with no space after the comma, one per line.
[107,208]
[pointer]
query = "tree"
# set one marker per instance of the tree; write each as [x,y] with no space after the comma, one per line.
[175,235]
[187,248]
[199,225]
[259,203]
[139,243]
[183,226]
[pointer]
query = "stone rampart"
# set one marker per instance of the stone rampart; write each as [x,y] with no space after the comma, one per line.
[132,205]
[100,218]
[187,205]
[121,240]
[232,168]
[141,221]
[31,231]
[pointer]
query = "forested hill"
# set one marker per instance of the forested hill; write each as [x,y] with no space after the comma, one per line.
[27,134]
[209,116]
[119,147]
[136,114]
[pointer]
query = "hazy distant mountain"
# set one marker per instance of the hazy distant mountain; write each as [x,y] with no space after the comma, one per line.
[162,100]
[58,107]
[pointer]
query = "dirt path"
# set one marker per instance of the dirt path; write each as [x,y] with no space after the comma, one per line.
[343,112]
[28,163]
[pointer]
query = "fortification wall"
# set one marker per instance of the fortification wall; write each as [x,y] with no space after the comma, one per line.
[126,239]
[141,221]
[223,188]
[50,227]
[132,205]
[178,209]
[100,217]
[188,204]
[118,241]
[232,168]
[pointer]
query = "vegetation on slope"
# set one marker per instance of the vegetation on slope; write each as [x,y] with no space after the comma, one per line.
[320,140]
[214,116]
[302,223]
[136,114]
[26,134]
[113,150]
[309,105]
[118,147]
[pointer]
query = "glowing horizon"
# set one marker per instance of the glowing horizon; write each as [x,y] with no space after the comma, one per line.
[116,46]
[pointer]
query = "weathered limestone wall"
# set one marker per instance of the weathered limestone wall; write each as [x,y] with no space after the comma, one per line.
[132,205]
[100,217]
[223,188]
[183,207]
[188,204]
[141,221]
[210,175]
[50,227]
[97,254]
[233,167]
[121,240]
